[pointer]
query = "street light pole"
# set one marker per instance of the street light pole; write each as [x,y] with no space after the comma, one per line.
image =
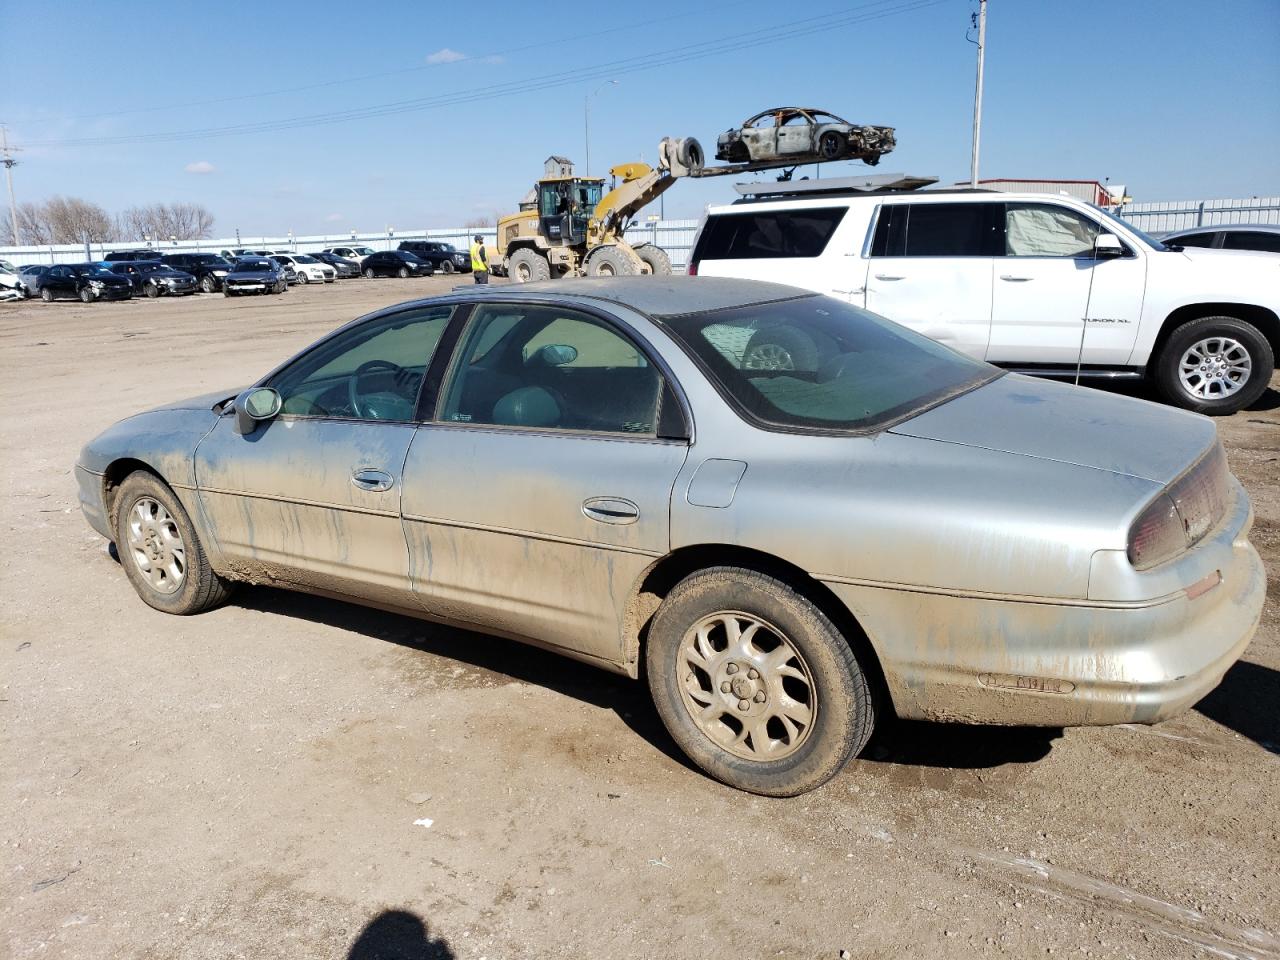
[977,96]
[6,157]
[586,124]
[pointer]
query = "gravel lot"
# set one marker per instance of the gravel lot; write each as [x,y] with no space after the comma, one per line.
[246,783]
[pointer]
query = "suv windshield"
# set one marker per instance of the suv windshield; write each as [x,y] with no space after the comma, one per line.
[1150,241]
[817,364]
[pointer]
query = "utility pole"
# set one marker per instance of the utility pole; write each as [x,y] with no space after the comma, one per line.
[977,95]
[586,124]
[6,157]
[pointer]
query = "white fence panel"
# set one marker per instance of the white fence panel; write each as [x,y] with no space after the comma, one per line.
[1169,215]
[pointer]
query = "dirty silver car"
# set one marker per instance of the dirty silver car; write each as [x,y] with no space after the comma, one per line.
[880,525]
[804,135]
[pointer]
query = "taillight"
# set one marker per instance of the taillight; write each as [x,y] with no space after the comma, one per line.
[1183,514]
[693,268]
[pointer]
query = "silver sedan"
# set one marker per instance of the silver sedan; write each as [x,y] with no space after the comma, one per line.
[873,524]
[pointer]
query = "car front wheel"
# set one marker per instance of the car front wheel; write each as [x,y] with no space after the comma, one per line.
[86,295]
[756,684]
[160,551]
[403,273]
[368,273]
[208,284]
[1214,365]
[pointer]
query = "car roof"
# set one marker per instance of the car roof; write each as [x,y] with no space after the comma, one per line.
[652,296]
[1226,228]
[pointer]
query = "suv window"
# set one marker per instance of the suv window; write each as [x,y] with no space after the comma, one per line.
[551,369]
[1195,240]
[760,235]
[936,230]
[371,372]
[1047,230]
[1251,240]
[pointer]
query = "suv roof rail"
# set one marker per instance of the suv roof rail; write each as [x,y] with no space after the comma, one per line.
[875,183]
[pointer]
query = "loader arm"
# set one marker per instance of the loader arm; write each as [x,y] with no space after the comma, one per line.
[640,186]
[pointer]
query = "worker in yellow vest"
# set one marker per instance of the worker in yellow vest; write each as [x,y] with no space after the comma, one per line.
[479,261]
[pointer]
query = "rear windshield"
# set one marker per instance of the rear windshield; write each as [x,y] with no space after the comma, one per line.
[768,234]
[814,363]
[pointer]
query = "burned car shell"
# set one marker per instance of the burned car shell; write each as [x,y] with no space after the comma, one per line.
[806,134]
[980,545]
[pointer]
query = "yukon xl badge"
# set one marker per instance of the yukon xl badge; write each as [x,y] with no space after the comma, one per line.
[1105,320]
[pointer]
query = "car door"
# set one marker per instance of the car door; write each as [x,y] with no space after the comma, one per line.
[1053,301]
[930,269]
[542,489]
[61,281]
[795,136]
[761,138]
[312,497]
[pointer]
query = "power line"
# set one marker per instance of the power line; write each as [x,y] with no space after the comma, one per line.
[400,71]
[695,51]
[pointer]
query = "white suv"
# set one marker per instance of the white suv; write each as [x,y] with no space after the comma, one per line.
[1041,284]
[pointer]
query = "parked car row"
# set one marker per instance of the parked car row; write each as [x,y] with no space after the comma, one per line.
[145,272]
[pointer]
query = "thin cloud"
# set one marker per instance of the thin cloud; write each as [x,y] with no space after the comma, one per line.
[445,55]
[334,218]
[200,166]
[494,58]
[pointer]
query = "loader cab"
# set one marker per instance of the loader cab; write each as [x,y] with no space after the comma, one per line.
[565,206]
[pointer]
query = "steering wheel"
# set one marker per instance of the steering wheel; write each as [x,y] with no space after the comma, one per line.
[385,404]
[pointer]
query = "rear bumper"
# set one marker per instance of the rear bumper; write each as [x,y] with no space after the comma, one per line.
[1040,663]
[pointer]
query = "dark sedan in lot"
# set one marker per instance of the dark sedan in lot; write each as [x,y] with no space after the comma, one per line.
[155,279]
[208,268]
[254,275]
[88,281]
[443,257]
[345,268]
[395,263]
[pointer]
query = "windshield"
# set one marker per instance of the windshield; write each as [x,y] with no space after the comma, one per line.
[303,258]
[254,266]
[364,251]
[92,270]
[1150,241]
[819,364]
[151,267]
[8,267]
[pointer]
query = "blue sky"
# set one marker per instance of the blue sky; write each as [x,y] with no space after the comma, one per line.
[1175,99]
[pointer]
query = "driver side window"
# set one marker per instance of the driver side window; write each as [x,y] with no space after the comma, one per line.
[371,372]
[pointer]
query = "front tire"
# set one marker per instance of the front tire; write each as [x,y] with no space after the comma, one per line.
[756,684]
[612,261]
[86,295]
[831,146]
[208,284]
[1214,365]
[446,266]
[303,279]
[368,273]
[655,258]
[152,290]
[403,273]
[160,551]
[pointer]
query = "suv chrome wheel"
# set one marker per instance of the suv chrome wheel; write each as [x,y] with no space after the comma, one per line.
[1215,367]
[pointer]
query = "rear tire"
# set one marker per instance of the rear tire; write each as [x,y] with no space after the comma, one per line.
[46,295]
[1214,365]
[160,550]
[655,257]
[755,684]
[612,261]
[528,266]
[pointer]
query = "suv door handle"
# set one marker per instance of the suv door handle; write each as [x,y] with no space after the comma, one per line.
[1013,279]
[611,510]
[886,276]
[375,481]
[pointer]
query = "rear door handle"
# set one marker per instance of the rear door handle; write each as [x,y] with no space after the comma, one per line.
[611,510]
[1013,279]
[375,481]
[886,276]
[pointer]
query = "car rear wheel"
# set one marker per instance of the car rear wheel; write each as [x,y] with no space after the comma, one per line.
[831,145]
[46,295]
[208,284]
[368,273]
[528,266]
[1214,365]
[755,683]
[86,295]
[160,551]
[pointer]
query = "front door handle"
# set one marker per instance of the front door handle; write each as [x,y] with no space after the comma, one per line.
[1013,279]
[886,276]
[611,510]
[374,481]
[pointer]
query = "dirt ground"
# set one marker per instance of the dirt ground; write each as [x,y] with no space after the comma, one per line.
[294,777]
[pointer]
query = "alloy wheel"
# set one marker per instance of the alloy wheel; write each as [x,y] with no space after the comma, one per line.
[155,543]
[1215,367]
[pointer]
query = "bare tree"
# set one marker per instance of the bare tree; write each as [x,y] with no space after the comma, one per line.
[33,226]
[478,223]
[182,221]
[64,220]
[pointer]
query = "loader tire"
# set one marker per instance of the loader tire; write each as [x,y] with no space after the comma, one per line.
[528,266]
[655,258]
[612,261]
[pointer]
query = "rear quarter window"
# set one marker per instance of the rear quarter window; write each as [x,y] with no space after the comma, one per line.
[768,234]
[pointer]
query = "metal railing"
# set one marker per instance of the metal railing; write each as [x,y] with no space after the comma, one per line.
[1166,216]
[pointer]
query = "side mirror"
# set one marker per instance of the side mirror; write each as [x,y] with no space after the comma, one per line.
[1107,246]
[254,406]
